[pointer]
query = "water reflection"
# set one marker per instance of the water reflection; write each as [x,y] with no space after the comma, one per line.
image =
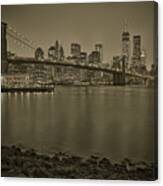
[112,121]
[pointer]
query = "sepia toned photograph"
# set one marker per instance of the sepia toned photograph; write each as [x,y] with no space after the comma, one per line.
[79,91]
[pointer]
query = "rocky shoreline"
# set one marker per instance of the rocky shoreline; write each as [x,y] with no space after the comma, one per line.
[18,162]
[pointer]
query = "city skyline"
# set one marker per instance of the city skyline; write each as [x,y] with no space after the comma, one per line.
[86,24]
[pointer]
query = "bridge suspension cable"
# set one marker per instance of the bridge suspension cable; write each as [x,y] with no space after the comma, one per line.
[20,38]
[21,41]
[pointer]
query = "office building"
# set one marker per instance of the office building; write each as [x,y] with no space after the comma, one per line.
[136,47]
[99,48]
[39,54]
[83,57]
[94,57]
[126,45]
[75,50]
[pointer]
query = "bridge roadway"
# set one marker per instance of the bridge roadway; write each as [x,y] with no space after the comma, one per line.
[18,60]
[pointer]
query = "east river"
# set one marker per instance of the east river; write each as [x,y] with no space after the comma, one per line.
[116,122]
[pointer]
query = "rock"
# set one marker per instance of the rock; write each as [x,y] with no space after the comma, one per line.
[94,157]
[91,162]
[130,167]
[18,163]
[44,157]
[5,167]
[17,151]
[48,165]
[21,175]
[55,158]
[39,173]
[104,163]
[30,153]
[7,152]
[14,172]
[27,164]
[141,165]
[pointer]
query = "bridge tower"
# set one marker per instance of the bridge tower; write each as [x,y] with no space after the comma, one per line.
[4,63]
[123,70]
[119,78]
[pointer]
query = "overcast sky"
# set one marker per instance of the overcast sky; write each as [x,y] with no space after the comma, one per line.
[86,24]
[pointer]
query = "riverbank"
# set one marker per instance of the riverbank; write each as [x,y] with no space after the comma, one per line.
[18,162]
[30,89]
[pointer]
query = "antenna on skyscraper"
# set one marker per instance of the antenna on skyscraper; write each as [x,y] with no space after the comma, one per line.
[125,26]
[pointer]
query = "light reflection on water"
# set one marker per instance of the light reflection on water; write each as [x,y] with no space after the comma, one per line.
[111,121]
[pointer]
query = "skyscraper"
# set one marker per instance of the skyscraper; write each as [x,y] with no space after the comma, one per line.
[39,54]
[75,50]
[136,56]
[116,62]
[143,57]
[99,48]
[52,53]
[61,53]
[94,57]
[136,48]
[83,57]
[126,45]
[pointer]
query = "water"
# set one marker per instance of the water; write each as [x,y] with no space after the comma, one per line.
[116,122]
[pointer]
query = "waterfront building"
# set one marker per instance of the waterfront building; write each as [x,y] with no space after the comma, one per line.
[15,80]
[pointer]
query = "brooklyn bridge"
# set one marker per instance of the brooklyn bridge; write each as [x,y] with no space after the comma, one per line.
[32,70]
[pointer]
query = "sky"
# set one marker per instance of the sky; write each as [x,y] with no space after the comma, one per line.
[86,24]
